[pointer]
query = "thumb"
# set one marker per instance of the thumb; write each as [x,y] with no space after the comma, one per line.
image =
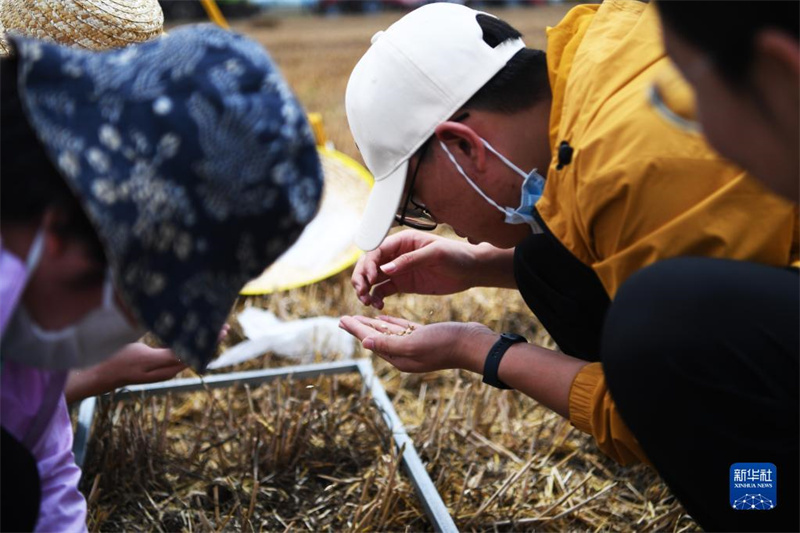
[379,343]
[405,262]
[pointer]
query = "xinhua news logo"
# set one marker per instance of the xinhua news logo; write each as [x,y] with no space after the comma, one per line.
[754,486]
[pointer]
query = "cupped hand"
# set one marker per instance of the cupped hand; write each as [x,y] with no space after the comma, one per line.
[414,262]
[133,364]
[139,363]
[413,347]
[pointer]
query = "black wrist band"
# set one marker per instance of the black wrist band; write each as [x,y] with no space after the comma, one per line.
[494,357]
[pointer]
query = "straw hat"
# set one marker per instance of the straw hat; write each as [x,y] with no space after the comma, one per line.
[90,24]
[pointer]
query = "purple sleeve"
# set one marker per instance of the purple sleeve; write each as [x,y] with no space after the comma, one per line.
[25,392]
[63,506]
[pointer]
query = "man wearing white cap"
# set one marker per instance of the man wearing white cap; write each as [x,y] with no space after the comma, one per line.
[450,112]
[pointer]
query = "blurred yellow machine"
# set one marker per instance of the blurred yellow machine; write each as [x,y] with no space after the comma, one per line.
[214,13]
[326,246]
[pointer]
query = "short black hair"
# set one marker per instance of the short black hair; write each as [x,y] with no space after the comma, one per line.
[726,31]
[29,183]
[517,86]
[521,83]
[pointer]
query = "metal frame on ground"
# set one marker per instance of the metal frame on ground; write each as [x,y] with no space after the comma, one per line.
[412,464]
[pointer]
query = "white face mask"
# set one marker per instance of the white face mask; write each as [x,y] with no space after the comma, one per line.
[531,190]
[96,336]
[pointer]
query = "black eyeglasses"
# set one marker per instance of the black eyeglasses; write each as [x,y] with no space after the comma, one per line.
[416,215]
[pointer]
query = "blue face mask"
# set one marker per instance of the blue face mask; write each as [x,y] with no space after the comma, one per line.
[531,190]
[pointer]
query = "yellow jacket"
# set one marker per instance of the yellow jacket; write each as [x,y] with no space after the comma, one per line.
[637,189]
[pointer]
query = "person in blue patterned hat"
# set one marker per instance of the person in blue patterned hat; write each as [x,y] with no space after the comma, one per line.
[141,189]
[97,25]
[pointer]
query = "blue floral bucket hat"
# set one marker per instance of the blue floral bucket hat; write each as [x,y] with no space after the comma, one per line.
[191,157]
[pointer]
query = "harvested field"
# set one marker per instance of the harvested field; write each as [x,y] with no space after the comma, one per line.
[292,455]
[311,455]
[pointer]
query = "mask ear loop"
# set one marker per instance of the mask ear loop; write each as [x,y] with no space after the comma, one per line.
[108,290]
[110,302]
[505,160]
[35,252]
[472,183]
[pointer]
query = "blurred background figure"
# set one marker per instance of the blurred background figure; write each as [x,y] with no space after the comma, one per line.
[142,188]
[701,355]
[745,72]
[176,10]
[96,25]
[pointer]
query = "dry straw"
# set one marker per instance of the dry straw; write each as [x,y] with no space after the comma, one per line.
[308,455]
[90,24]
[316,455]
[285,456]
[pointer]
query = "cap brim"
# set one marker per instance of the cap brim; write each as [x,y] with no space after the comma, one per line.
[384,200]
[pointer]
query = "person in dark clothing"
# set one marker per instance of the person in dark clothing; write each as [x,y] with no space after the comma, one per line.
[701,355]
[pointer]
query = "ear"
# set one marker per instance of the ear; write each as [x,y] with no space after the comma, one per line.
[460,138]
[776,71]
[781,48]
[54,244]
[66,256]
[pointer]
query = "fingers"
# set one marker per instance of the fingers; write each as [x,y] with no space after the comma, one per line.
[363,327]
[388,339]
[359,281]
[405,262]
[397,253]
[401,322]
[382,337]
[381,291]
[366,275]
[356,328]
[371,272]
[162,373]
[390,273]
[382,326]
[160,358]
[386,345]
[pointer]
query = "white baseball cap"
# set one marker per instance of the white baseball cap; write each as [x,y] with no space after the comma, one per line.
[415,76]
